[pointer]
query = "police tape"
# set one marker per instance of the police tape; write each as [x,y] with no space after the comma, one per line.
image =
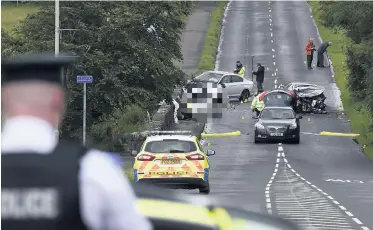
[231,134]
[332,134]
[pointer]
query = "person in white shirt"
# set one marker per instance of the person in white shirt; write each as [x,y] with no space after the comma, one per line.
[51,184]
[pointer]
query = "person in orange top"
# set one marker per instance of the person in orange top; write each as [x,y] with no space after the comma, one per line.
[310,48]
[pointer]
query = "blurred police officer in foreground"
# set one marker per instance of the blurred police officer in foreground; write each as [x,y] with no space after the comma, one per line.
[48,184]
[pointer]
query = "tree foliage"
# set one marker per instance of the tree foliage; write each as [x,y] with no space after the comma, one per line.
[356,18]
[128,47]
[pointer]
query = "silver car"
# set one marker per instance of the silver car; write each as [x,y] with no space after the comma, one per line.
[234,85]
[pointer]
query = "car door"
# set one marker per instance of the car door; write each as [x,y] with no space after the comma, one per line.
[227,80]
[237,85]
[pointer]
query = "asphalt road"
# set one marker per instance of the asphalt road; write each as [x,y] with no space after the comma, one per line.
[293,181]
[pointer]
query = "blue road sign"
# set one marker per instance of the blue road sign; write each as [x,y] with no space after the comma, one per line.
[84,79]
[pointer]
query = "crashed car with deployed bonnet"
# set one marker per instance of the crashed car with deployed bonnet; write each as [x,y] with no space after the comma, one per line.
[310,98]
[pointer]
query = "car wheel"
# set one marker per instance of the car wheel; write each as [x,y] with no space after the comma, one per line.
[245,95]
[205,190]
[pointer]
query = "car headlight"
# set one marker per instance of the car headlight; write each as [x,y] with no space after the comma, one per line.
[293,126]
[259,126]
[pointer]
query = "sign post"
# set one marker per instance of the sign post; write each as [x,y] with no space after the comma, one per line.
[252,68]
[84,80]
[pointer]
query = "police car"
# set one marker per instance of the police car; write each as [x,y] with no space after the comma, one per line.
[174,159]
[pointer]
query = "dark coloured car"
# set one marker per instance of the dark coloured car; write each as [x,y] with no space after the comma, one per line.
[278,124]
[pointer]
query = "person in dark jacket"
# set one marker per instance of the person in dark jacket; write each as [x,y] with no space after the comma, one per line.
[320,53]
[259,77]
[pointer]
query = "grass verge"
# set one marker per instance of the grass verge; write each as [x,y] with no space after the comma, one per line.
[210,49]
[357,112]
[11,14]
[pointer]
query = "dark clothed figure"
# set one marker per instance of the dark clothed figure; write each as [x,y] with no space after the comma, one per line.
[259,77]
[320,53]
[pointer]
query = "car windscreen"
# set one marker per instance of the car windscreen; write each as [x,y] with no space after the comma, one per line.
[170,146]
[277,99]
[271,114]
[209,76]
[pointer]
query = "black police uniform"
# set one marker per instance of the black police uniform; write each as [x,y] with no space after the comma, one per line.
[40,191]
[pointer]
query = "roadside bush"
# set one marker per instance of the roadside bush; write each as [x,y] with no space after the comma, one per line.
[348,25]
[107,134]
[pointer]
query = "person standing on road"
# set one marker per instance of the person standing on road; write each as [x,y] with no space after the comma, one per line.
[310,48]
[320,53]
[259,77]
[50,184]
[257,104]
[240,69]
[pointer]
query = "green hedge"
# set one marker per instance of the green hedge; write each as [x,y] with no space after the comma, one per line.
[210,49]
[357,112]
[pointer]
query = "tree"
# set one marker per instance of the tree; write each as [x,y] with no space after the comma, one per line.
[129,48]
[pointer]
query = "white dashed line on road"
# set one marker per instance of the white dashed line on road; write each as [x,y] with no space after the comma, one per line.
[296,207]
[357,220]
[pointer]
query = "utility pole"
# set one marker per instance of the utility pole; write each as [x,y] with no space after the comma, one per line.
[57,27]
[57,40]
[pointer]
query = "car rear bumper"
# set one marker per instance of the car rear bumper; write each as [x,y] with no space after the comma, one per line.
[185,183]
[288,135]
